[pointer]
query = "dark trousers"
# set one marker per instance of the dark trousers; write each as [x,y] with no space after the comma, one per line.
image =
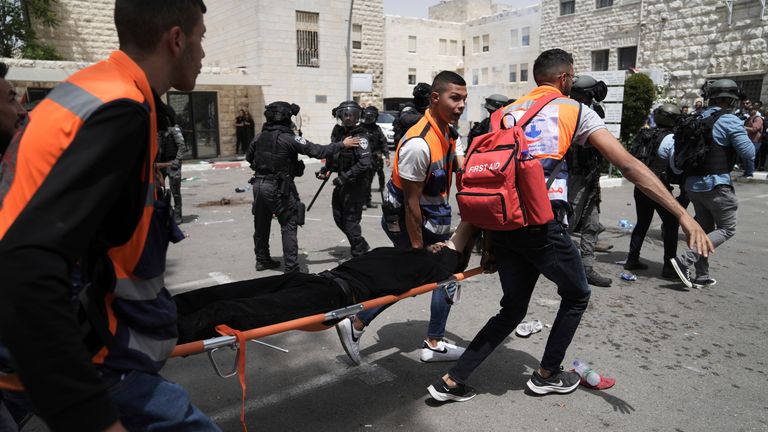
[645,207]
[255,303]
[378,169]
[174,181]
[347,202]
[522,256]
[268,201]
[242,143]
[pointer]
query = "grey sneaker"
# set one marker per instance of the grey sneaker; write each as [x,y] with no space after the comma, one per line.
[350,339]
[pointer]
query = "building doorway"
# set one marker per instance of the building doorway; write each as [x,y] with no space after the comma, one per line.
[198,116]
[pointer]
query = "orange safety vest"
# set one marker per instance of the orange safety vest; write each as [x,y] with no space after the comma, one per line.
[550,133]
[435,207]
[136,316]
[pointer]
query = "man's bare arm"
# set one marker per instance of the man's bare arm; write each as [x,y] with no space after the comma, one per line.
[412,192]
[639,174]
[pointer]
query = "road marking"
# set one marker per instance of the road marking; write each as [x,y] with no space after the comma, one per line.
[214,278]
[217,222]
[761,196]
[313,219]
[372,216]
[369,373]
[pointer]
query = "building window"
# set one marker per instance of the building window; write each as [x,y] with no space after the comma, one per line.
[514,38]
[604,3]
[627,57]
[484,76]
[512,73]
[486,43]
[526,31]
[412,76]
[567,7]
[476,44]
[523,72]
[443,47]
[411,44]
[307,43]
[600,60]
[357,36]
[463,48]
[454,48]
[475,77]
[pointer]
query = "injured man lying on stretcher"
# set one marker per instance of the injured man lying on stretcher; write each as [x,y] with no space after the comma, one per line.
[260,302]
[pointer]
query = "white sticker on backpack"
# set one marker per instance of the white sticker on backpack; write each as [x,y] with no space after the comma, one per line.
[542,131]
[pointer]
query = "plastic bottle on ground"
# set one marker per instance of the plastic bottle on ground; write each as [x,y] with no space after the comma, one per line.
[591,377]
[626,225]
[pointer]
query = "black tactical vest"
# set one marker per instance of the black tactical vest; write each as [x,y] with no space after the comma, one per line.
[268,159]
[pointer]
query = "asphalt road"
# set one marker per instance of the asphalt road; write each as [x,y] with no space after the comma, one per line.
[683,360]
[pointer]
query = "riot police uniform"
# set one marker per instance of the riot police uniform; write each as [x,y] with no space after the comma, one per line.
[379,151]
[273,155]
[584,183]
[411,112]
[492,103]
[350,185]
[171,149]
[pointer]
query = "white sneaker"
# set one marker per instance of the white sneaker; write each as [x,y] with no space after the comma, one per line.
[350,339]
[443,353]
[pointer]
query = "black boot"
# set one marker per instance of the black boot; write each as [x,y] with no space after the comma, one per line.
[594,278]
[667,271]
[267,265]
[635,264]
[177,216]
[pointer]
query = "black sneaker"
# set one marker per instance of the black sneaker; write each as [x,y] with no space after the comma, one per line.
[596,279]
[683,272]
[635,264]
[668,272]
[267,265]
[441,392]
[560,382]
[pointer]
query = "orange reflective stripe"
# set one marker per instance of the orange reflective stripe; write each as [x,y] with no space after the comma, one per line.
[440,148]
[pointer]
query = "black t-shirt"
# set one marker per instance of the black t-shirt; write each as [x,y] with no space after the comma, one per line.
[389,270]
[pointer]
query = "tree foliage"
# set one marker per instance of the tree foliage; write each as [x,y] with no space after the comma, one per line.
[639,94]
[17,31]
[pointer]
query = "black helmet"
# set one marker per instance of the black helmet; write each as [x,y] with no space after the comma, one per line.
[370,115]
[667,115]
[421,95]
[495,101]
[348,113]
[587,89]
[722,88]
[280,112]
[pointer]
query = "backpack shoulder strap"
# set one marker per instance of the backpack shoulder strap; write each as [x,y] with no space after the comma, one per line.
[497,118]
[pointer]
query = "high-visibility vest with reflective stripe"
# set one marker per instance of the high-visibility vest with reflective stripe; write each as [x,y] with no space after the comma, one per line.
[550,133]
[435,207]
[136,316]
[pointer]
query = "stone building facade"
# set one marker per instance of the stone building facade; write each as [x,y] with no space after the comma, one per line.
[691,41]
[492,46]
[369,58]
[252,55]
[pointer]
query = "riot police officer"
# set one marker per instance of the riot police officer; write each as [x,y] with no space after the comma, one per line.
[353,166]
[492,103]
[411,112]
[584,182]
[273,155]
[171,149]
[379,150]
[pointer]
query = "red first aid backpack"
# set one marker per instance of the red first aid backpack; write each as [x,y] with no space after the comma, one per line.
[502,187]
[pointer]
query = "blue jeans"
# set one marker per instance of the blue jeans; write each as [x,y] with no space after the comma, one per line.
[521,256]
[439,308]
[148,402]
[749,164]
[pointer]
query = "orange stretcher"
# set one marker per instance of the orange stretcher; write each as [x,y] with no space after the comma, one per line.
[235,339]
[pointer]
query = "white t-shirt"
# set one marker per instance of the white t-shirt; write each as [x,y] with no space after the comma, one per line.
[414,159]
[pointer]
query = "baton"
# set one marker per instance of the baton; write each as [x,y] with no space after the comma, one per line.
[318,193]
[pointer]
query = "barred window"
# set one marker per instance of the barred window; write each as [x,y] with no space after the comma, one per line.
[307,41]
[411,44]
[486,43]
[600,60]
[568,7]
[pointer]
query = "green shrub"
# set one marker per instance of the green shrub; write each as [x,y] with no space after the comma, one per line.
[639,94]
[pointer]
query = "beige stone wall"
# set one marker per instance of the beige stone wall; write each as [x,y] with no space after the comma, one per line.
[461,10]
[370,59]
[691,40]
[230,100]
[86,31]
